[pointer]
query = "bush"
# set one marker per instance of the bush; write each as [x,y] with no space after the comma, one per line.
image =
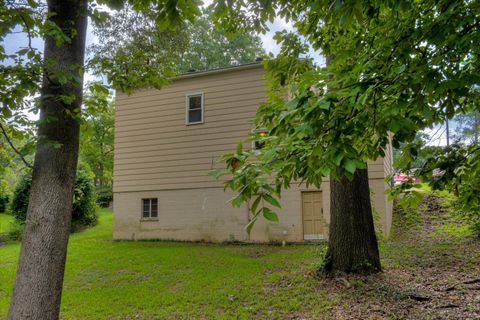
[16,230]
[104,196]
[84,207]
[19,203]
[3,202]
[4,194]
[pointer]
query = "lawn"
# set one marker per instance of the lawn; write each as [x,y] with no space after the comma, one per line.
[108,279]
[5,220]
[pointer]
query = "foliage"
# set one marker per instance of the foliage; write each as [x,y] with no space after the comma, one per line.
[210,48]
[134,51]
[135,37]
[143,61]
[459,173]
[398,68]
[84,208]
[11,162]
[404,160]
[4,199]
[96,140]
[104,196]
[20,198]
[467,128]
[84,200]
[454,168]
[15,230]
[5,221]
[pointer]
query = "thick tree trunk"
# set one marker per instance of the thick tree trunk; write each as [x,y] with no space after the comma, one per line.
[39,280]
[352,243]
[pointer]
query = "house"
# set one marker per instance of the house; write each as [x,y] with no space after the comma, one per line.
[166,141]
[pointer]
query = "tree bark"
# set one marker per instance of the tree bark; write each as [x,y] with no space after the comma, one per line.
[38,284]
[352,242]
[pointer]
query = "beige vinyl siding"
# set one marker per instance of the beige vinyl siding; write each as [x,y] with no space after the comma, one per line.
[156,150]
[157,155]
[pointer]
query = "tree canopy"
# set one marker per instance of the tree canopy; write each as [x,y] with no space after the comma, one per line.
[398,68]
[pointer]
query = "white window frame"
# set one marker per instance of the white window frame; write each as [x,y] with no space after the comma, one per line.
[150,209]
[187,99]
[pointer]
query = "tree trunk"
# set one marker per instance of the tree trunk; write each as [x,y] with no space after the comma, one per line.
[352,243]
[38,284]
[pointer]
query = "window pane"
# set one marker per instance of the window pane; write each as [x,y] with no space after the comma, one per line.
[195,102]
[194,116]
[154,211]
[146,208]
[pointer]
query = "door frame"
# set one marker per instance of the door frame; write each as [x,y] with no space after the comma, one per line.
[310,237]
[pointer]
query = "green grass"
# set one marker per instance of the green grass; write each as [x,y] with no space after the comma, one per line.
[108,279]
[5,220]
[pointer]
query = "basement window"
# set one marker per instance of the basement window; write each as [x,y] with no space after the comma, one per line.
[150,208]
[194,113]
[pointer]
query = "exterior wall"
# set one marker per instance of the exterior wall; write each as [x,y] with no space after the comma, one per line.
[158,156]
[156,150]
[205,214]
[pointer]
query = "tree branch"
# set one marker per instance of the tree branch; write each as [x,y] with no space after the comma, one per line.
[5,134]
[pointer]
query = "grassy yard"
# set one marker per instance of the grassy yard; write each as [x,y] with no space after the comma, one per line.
[108,279]
[5,220]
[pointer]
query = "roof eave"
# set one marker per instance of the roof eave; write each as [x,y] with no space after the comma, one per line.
[216,71]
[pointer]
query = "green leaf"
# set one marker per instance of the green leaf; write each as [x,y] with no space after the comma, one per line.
[255,203]
[400,69]
[338,159]
[271,200]
[269,214]
[22,51]
[324,105]
[325,171]
[350,166]
[238,200]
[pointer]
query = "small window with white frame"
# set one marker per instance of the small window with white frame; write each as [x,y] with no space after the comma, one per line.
[195,108]
[258,144]
[150,208]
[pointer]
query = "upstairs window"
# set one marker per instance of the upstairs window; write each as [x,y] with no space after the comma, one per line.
[150,208]
[194,108]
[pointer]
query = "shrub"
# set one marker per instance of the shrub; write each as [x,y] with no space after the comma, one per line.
[20,198]
[84,207]
[16,230]
[104,196]
[4,194]
[3,202]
